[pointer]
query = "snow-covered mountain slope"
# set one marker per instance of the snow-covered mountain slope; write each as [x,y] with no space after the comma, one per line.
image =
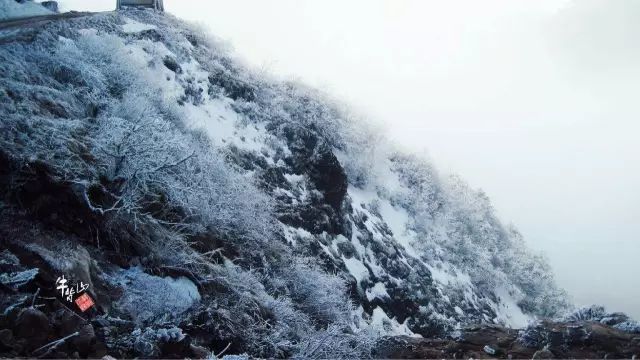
[276,201]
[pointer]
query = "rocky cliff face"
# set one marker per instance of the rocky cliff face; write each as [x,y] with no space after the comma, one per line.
[210,209]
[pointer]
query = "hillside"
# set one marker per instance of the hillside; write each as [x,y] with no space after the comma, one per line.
[211,208]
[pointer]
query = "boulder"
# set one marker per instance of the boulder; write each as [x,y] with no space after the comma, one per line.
[51,5]
[543,354]
[172,64]
[168,343]
[20,280]
[33,326]
[199,352]
[6,340]
[85,342]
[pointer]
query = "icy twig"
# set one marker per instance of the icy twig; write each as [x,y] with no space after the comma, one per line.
[223,351]
[56,343]
[35,296]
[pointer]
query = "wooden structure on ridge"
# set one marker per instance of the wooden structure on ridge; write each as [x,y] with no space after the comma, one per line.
[151,4]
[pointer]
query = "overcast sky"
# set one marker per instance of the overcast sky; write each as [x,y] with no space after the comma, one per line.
[533,101]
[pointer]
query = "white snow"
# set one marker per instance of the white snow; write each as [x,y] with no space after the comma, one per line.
[131,26]
[193,69]
[447,274]
[397,219]
[381,322]
[509,312]
[328,250]
[356,268]
[378,270]
[281,191]
[356,241]
[388,178]
[378,202]
[293,234]
[361,196]
[10,9]
[224,126]
[294,178]
[216,116]
[377,291]
[184,286]
[147,296]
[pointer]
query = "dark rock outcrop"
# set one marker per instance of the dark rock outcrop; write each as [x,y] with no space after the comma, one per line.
[51,5]
[314,158]
[553,340]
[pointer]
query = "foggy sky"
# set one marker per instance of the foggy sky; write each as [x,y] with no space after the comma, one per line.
[532,101]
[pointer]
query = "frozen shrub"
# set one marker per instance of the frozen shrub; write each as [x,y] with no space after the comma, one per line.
[153,165]
[587,313]
[320,295]
[147,342]
[597,313]
[291,323]
[533,336]
[629,326]
[337,342]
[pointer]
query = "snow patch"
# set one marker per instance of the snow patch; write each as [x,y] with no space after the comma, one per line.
[148,297]
[509,312]
[381,322]
[447,274]
[377,291]
[131,26]
[356,268]
[294,179]
[397,219]
[294,234]
[361,197]
[224,126]
[10,9]
[360,249]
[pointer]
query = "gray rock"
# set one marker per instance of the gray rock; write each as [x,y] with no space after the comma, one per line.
[19,280]
[7,258]
[6,338]
[543,354]
[615,318]
[576,334]
[146,348]
[84,342]
[51,5]
[489,350]
[33,326]
[629,326]
[172,64]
